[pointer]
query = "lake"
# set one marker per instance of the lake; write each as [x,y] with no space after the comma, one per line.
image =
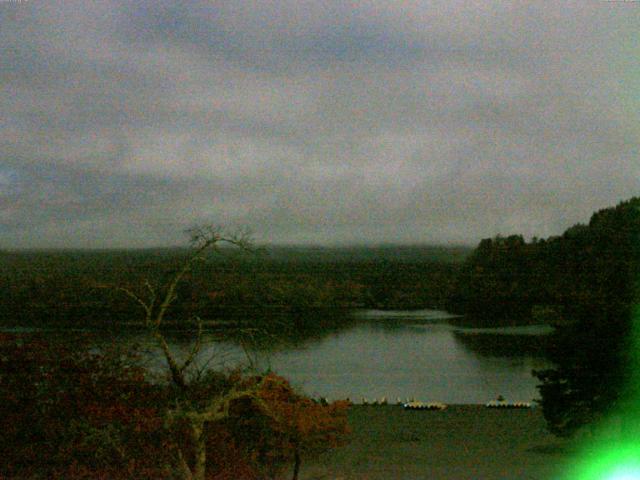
[416,355]
[393,354]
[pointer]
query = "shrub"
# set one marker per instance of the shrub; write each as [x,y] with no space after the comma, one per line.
[71,412]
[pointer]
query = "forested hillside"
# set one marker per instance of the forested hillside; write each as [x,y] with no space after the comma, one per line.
[585,282]
[589,270]
[80,288]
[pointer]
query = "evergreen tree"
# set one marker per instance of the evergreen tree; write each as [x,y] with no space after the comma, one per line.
[595,270]
[583,282]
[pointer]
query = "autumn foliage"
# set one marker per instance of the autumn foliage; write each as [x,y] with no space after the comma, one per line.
[280,426]
[71,411]
[68,412]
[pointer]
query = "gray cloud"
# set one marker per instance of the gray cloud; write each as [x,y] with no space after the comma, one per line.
[122,123]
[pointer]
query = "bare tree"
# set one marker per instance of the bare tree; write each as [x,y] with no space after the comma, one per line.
[155,302]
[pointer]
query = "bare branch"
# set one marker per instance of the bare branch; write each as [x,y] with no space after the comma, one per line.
[207,236]
[246,345]
[176,373]
[152,291]
[219,408]
[220,356]
[183,466]
[171,296]
[147,306]
[196,347]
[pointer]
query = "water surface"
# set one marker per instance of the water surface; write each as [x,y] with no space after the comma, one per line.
[396,354]
[414,356]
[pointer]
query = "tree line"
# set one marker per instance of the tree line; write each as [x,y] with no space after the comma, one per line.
[585,283]
[65,289]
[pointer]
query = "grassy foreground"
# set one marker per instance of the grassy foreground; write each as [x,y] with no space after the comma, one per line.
[459,443]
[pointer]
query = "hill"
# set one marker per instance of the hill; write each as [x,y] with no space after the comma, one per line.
[589,267]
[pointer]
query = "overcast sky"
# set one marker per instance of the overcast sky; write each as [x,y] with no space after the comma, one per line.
[124,122]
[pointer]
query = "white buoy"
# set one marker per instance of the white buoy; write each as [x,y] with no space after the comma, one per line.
[501,403]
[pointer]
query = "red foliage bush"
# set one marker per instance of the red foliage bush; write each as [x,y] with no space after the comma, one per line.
[277,427]
[68,411]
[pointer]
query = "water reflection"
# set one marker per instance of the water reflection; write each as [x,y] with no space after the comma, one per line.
[423,357]
[418,355]
[404,315]
[502,345]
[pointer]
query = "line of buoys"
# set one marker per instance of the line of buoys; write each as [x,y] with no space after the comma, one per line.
[412,404]
[503,404]
[381,401]
[424,406]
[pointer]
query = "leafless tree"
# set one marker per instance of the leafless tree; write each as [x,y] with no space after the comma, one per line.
[155,302]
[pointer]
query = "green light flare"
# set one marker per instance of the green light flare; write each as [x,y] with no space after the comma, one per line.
[613,453]
[632,473]
[609,462]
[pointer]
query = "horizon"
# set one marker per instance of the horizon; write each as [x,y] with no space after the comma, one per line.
[312,246]
[256,245]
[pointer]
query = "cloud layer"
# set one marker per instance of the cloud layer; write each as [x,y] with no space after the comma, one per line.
[123,123]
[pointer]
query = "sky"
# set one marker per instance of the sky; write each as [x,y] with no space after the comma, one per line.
[123,123]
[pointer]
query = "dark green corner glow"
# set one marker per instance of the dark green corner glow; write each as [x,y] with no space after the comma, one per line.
[614,453]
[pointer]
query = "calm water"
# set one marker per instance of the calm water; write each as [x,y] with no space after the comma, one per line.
[414,356]
[394,354]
